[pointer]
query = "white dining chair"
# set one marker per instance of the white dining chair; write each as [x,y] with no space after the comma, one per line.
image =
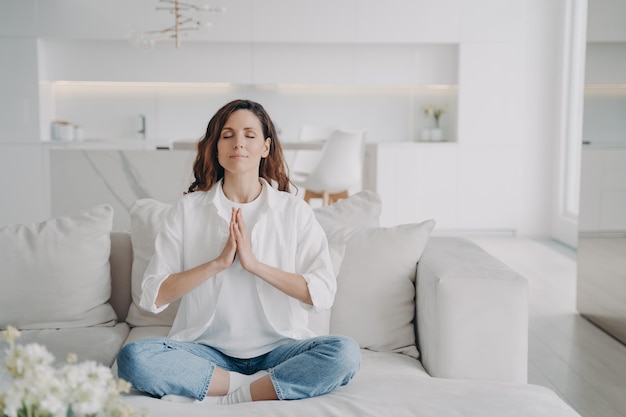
[304,162]
[339,167]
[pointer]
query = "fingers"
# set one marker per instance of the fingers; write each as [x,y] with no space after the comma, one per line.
[237,225]
[233,216]
[240,223]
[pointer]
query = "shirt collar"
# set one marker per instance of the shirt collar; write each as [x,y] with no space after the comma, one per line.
[212,197]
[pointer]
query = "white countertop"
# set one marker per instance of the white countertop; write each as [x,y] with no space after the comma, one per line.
[188,145]
[129,144]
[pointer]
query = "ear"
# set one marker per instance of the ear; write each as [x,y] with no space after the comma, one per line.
[266,151]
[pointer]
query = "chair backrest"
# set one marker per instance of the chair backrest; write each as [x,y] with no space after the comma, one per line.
[340,163]
[304,161]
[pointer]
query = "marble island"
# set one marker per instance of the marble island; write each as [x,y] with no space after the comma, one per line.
[86,173]
[83,176]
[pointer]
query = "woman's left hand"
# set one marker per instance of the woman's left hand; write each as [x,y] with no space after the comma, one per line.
[244,248]
[291,284]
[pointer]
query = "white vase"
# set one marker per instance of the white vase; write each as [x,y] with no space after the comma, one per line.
[436,134]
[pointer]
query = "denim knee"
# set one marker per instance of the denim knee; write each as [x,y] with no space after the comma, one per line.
[347,356]
[126,357]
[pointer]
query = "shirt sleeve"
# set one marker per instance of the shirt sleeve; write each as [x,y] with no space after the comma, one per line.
[313,258]
[167,259]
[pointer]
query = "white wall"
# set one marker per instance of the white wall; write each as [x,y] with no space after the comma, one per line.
[19,107]
[24,183]
[24,189]
[505,114]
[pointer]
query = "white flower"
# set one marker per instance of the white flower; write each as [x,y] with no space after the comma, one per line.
[23,360]
[10,334]
[435,112]
[72,358]
[88,386]
[40,390]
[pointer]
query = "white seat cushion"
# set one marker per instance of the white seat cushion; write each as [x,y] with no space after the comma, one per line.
[389,384]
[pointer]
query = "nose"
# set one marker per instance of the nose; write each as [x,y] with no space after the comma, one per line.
[239,141]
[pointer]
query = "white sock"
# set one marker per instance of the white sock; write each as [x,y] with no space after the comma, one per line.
[240,395]
[238,380]
[238,389]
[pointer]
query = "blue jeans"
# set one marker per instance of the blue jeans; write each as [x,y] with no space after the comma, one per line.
[298,369]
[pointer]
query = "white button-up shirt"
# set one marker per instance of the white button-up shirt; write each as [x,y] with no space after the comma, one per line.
[286,236]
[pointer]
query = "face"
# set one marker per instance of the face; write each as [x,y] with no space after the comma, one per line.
[241,144]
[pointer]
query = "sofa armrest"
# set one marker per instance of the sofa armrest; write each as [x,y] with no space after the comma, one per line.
[472,313]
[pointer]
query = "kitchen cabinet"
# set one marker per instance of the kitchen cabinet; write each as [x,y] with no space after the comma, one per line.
[465,189]
[246,63]
[601,283]
[416,181]
[603,190]
[488,180]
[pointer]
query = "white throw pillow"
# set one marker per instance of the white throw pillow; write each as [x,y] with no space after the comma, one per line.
[339,220]
[375,302]
[56,273]
[345,216]
[146,216]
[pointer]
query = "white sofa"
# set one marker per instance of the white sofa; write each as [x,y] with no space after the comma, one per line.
[445,338]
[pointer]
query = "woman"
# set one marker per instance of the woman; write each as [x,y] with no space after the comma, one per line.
[248,261]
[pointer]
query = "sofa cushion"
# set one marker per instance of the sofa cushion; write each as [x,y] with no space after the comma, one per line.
[56,273]
[145,220]
[339,220]
[375,302]
[344,217]
[96,343]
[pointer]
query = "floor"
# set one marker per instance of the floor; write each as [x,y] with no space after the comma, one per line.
[567,353]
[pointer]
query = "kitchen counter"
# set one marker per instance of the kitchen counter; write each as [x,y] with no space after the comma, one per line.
[164,145]
[118,144]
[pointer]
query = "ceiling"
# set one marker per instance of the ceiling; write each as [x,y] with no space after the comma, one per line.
[321,21]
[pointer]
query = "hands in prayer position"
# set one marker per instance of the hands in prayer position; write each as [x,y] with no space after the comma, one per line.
[238,243]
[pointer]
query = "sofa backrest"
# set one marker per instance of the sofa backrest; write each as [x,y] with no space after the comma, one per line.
[121,260]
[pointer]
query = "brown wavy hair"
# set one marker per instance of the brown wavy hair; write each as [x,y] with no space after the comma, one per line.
[206,169]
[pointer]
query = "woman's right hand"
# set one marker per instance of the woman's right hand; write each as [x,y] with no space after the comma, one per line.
[178,284]
[227,257]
